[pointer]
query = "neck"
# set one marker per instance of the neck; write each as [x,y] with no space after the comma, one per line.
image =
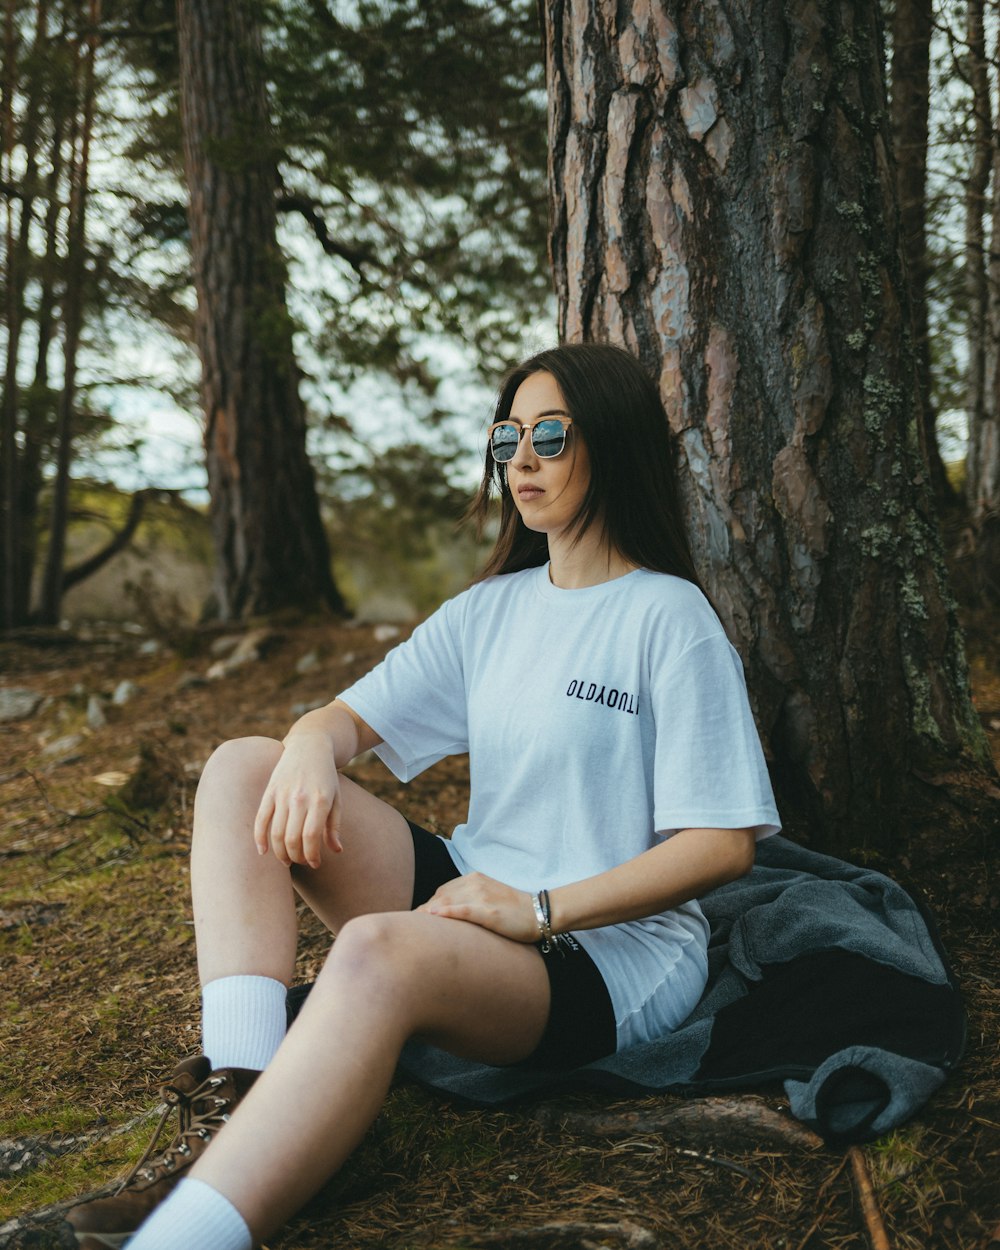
[587,562]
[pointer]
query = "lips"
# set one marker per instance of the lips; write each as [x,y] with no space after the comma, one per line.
[529,492]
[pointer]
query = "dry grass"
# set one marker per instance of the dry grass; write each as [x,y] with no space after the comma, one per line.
[98,998]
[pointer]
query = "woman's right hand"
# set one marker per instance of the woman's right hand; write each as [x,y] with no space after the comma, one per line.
[299,813]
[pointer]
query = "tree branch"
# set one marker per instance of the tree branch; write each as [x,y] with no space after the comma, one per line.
[308,209]
[118,542]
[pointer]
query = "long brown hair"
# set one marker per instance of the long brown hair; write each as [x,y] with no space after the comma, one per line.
[617,412]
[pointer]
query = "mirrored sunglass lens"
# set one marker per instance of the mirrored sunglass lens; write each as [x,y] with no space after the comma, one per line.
[503,442]
[548,438]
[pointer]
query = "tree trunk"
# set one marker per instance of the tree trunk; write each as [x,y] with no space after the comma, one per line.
[271,550]
[982,476]
[74,301]
[723,204]
[911,40]
[21,473]
[38,404]
[11,538]
[978,402]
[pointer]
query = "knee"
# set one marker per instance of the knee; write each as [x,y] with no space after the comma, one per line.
[376,949]
[246,762]
[232,784]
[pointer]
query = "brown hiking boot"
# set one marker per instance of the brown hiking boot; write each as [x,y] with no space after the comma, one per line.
[204,1100]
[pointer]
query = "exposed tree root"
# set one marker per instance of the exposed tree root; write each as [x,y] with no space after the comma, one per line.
[737,1124]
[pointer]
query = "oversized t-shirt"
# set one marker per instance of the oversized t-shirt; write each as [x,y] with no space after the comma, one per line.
[597,721]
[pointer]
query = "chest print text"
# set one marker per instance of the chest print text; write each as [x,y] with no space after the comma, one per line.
[591,692]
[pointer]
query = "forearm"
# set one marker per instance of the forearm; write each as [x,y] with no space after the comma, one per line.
[683,867]
[340,727]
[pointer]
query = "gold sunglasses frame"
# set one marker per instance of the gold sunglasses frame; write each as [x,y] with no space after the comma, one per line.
[565,422]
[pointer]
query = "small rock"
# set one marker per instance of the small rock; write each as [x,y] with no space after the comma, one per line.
[152,646]
[300,709]
[124,692]
[226,643]
[95,712]
[247,649]
[63,745]
[385,633]
[307,663]
[17,703]
[251,646]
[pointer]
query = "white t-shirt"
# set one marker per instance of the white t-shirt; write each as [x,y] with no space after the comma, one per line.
[597,721]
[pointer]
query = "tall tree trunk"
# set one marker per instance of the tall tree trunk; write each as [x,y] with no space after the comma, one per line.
[978,402]
[913,22]
[38,407]
[73,309]
[19,559]
[723,204]
[271,550]
[11,538]
[982,462]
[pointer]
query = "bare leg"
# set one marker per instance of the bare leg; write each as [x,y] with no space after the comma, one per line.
[244,904]
[389,976]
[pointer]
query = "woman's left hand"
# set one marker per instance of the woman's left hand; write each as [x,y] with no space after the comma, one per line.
[491,904]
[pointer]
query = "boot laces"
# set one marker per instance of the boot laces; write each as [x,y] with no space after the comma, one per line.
[202,1124]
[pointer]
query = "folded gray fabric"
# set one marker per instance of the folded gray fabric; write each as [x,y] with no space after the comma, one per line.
[821,974]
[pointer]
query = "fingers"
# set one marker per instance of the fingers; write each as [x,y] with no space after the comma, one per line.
[262,822]
[296,825]
[332,826]
[480,900]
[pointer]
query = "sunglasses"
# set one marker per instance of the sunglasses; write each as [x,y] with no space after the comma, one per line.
[548,438]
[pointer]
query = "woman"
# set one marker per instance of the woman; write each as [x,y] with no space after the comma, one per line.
[615,776]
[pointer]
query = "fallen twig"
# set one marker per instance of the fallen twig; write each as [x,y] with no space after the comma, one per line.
[751,1174]
[869,1203]
[570,1235]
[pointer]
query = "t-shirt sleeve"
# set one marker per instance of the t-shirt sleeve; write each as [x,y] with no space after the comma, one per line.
[415,698]
[709,770]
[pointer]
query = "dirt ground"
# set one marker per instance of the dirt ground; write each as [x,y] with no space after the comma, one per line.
[98,995]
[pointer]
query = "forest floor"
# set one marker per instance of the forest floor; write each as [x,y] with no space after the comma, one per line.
[98,995]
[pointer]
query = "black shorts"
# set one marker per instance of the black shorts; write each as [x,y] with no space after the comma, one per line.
[581,1025]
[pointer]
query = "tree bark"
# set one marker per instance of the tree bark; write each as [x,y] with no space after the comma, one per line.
[723,204]
[39,407]
[74,301]
[271,549]
[982,476]
[11,537]
[913,22]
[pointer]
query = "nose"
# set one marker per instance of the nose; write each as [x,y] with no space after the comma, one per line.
[524,457]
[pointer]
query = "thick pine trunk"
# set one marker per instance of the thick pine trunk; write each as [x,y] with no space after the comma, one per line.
[723,204]
[271,550]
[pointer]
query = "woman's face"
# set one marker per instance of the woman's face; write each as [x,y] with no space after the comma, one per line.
[546,492]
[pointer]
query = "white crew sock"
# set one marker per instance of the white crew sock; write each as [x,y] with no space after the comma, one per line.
[243,1021]
[197,1217]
